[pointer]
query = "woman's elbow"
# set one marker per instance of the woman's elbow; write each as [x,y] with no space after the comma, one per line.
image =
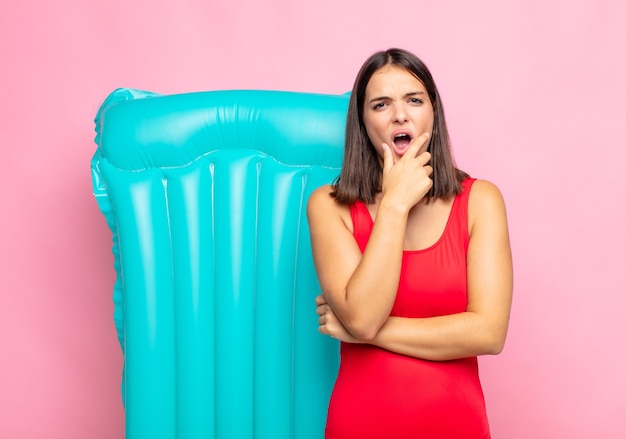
[364,330]
[495,344]
[363,324]
[366,336]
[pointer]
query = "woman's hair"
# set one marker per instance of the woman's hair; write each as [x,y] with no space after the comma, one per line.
[361,172]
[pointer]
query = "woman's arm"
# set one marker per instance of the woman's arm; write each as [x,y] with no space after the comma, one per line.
[361,288]
[482,328]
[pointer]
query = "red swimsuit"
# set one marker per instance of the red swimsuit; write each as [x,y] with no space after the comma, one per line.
[382,395]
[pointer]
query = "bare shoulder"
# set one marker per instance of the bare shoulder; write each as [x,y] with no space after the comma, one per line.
[321,195]
[486,202]
[484,192]
[322,207]
[321,200]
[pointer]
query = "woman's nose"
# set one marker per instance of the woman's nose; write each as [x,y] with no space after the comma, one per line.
[400,114]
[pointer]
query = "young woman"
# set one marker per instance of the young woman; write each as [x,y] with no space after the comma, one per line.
[414,262]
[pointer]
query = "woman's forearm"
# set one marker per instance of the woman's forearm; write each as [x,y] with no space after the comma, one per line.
[442,338]
[371,290]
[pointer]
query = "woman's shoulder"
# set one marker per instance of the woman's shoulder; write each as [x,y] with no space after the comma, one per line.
[323,206]
[322,197]
[484,191]
[485,200]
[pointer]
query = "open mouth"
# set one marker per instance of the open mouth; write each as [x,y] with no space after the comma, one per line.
[401,142]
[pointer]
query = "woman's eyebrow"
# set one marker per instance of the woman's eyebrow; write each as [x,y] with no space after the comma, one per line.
[406,95]
[413,93]
[380,98]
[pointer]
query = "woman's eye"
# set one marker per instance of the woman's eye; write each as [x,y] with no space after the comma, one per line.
[379,105]
[416,101]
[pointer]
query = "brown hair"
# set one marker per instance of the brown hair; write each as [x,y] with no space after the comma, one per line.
[360,177]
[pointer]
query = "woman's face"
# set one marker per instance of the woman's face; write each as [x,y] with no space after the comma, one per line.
[396,110]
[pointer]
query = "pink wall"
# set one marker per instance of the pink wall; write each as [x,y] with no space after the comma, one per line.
[534,92]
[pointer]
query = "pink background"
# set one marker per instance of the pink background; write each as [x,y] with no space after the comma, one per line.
[534,92]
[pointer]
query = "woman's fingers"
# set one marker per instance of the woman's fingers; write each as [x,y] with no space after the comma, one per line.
[320,300]
[408,180]
[423,158]
[416,146]
[387,158]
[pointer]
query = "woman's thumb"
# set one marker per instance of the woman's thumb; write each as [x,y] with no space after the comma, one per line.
[387,158]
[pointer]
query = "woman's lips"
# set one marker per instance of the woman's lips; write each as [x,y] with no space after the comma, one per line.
[401,143]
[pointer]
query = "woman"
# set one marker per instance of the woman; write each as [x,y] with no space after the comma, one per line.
[414,262]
